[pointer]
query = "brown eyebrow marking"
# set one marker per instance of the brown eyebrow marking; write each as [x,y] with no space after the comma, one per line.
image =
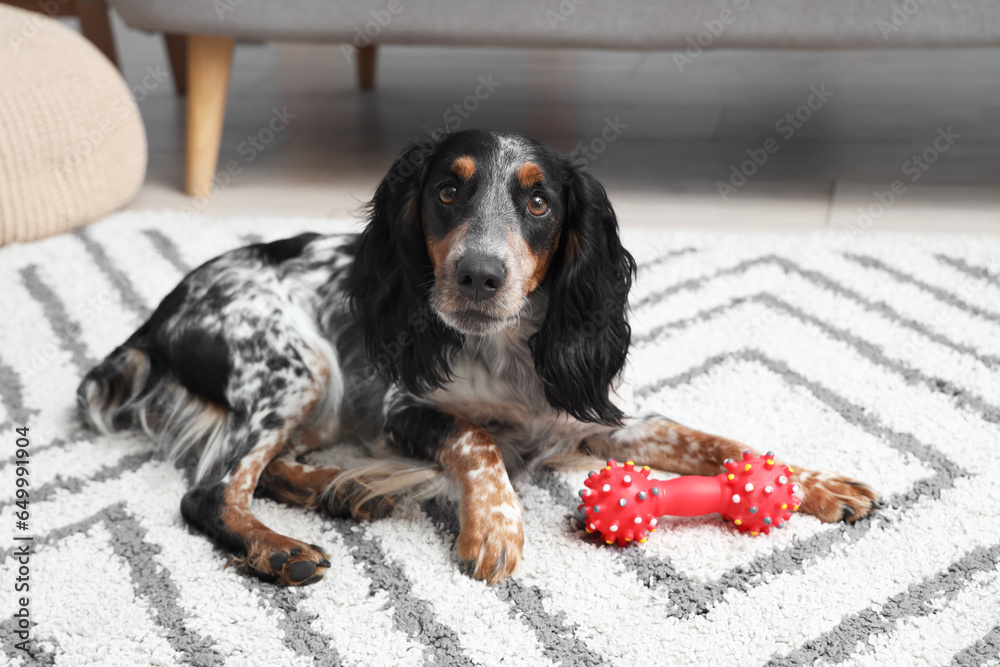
[465,167]
[529,174]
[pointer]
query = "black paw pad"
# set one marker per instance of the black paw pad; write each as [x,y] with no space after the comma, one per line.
[848,512]
[300,570]
[312,580]
[296,551]
[277,560]
[324,562]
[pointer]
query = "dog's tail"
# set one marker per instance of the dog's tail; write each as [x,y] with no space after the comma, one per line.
[114,395]
[130,391]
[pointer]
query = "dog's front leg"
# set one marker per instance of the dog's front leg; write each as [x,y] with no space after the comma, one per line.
[492,535]
[667,445]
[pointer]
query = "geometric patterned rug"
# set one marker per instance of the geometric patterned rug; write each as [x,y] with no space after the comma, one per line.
[877,356]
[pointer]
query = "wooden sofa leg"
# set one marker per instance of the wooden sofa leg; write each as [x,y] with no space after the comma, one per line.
[95,24]
[178,55]
[209,61]
[366,66]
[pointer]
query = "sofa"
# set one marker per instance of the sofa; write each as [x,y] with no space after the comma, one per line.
[209,29]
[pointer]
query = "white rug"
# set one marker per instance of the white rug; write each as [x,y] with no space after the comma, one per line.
[876,356]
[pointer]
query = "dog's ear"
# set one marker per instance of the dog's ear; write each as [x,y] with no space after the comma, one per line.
[583,342]
[390,281]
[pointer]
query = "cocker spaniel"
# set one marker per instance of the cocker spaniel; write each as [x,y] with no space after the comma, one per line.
[475,328]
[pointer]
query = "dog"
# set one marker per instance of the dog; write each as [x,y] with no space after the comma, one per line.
[476,328]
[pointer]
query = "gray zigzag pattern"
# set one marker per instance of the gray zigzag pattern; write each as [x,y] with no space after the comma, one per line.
[557,639]
[980,651]
[410,614]
[151,581]
[67,330]
[297,625]
[692,598]
[917,600]
[825,282]
[870,351]
[941,294]
[980,272]
[441,642]
[11,391]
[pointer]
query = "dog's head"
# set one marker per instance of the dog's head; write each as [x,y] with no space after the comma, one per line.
[462,234]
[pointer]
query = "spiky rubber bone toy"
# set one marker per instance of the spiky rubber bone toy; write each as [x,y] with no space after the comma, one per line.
[623,504]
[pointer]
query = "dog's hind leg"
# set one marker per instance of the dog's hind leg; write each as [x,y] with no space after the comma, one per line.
[664,444]
[219,504]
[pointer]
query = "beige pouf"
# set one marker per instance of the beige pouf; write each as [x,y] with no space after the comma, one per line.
[72,143]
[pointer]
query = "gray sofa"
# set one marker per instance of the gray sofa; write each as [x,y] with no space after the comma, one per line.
[211,27]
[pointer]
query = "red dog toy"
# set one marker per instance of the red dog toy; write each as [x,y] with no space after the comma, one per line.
[623,503]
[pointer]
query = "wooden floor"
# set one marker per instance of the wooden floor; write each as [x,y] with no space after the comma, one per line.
[679,134]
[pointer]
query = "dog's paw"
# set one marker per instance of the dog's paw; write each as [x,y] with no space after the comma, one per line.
[830,498]
[284,561]
[491,542]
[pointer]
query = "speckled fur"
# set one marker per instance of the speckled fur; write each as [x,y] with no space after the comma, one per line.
[270,351]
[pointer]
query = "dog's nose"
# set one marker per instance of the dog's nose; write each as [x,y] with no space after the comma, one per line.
[480,276]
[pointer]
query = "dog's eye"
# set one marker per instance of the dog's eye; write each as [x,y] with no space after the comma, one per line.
[448,194]
[538,205]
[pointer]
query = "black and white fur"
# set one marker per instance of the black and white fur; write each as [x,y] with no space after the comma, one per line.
[461,337]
